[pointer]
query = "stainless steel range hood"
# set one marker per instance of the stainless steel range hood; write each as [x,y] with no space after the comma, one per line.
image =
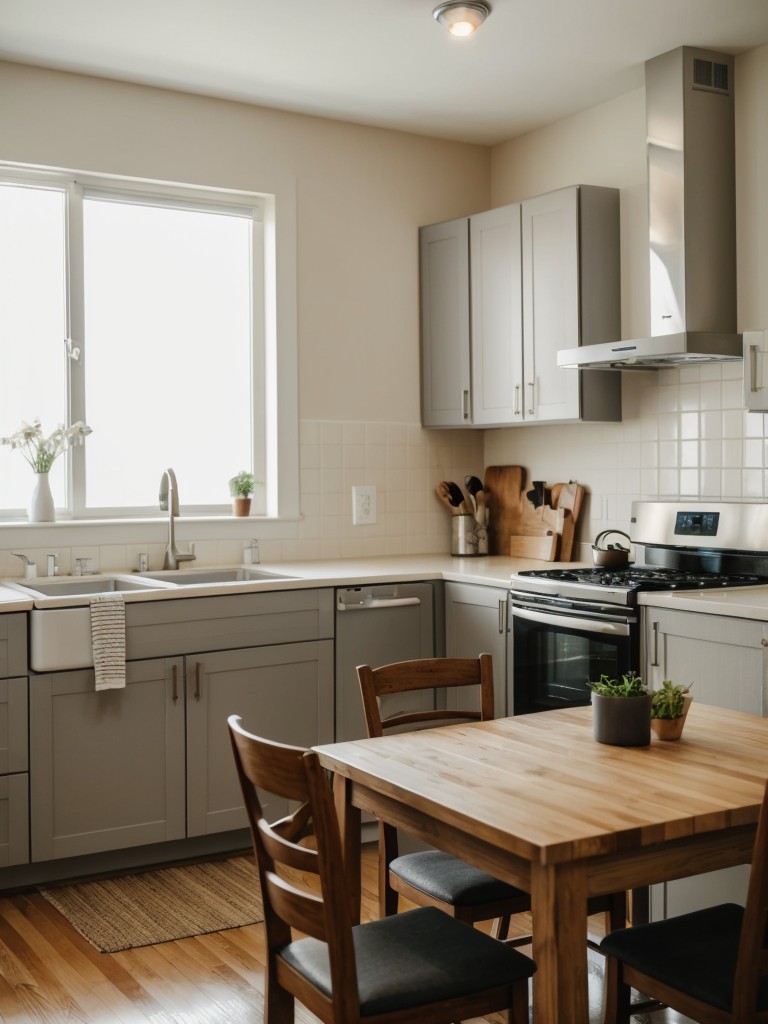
[692,219]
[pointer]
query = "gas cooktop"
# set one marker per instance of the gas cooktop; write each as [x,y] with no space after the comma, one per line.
[643,578]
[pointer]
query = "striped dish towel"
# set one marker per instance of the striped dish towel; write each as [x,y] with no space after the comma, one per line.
[108,640]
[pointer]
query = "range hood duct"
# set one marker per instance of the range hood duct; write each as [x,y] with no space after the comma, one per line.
[691,216]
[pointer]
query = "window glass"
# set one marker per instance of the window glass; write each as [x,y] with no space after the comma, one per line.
[140,312]
[33,371]
[168,344]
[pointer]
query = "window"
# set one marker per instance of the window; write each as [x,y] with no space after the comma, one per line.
[161,294]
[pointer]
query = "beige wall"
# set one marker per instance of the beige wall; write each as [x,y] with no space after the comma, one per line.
[361,194]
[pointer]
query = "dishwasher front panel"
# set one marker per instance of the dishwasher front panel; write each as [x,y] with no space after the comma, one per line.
[378,625]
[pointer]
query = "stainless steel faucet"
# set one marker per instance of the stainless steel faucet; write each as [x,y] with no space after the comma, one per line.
[169,501]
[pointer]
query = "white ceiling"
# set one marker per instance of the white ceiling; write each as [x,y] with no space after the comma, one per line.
[380,62]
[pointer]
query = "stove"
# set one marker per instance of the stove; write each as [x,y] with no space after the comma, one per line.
[570,624]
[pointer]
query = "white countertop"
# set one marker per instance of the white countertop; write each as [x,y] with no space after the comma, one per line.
[494,570]
[337,572]
[737,602]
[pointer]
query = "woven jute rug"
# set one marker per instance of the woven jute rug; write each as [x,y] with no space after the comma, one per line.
[159,906]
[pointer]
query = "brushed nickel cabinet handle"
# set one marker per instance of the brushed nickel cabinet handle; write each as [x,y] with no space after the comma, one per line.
[198,673]
[753,369]
[174,683]
[532,386]
[516,410]
[502,610]
[465,404]
[655,660]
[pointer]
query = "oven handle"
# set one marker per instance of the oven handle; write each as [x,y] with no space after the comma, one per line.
[573,622]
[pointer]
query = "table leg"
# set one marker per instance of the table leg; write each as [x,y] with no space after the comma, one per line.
[349,828]
[559,907]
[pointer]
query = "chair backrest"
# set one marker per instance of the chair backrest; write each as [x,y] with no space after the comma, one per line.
[290,901]
[425,674]
[752,963]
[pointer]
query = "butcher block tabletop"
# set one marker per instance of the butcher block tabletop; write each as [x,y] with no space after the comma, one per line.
[536,801]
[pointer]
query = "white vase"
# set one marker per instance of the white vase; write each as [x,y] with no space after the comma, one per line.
[41,508]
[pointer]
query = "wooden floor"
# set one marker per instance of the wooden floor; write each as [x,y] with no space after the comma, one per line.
[48,973]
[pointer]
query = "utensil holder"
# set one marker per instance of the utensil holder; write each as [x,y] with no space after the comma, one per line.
[463,535]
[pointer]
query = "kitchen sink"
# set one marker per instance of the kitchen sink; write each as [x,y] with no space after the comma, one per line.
[83,586]
[190,577]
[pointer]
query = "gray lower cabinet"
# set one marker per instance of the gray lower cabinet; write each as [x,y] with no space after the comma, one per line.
[152,762]
[476,623]
[14,762]
[283,692]
[108,765]
[725,661]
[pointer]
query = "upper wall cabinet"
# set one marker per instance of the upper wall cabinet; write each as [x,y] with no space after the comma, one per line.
[501,292]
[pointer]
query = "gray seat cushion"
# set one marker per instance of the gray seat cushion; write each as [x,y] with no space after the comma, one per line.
[414,958]
[695,953]
[448,879]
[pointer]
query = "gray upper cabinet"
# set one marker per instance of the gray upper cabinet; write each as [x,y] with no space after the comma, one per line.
[445,380]
[543,275]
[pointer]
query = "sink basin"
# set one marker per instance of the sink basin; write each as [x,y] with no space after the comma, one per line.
[83,586]
[190,577]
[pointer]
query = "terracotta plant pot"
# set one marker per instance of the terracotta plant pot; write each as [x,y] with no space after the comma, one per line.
[241,506]
[671,728]
[622,721]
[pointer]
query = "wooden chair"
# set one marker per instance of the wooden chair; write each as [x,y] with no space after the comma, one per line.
[421,967]
[434,878]
[710,965]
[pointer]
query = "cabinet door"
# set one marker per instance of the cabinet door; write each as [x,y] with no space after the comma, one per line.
[108,765]
[444,281]
[14,819]
[724,660]
[476,623]
[550,233]
[284,693]
[497,316]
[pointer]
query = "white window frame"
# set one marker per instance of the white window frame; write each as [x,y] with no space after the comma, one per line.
[275,363]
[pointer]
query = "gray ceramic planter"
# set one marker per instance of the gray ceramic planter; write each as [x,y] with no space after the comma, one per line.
[622,721]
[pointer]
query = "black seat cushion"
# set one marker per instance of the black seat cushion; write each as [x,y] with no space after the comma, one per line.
[695,953]
[418,957]
[448,879]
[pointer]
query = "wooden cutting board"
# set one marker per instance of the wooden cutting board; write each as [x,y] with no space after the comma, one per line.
[512,514]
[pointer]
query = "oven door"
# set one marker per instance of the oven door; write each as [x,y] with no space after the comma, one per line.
[558,646]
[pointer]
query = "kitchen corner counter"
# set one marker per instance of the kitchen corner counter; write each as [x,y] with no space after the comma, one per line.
[338,572]
[736,602]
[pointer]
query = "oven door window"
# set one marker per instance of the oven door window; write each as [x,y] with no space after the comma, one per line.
[555,656]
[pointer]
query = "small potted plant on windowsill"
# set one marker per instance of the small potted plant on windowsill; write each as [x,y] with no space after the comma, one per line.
[241,489]
[621,711]
[669,706]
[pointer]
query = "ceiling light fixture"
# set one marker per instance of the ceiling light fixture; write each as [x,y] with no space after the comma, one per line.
[459,18]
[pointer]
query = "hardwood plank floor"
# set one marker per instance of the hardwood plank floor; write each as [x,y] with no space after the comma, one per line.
[49,974]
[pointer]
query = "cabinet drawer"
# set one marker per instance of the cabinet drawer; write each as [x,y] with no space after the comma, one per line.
[13,645]
[14,819]
[167,628]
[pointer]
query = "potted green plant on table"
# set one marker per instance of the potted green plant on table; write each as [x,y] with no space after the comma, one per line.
[669,706]
[621,710]
[241,489]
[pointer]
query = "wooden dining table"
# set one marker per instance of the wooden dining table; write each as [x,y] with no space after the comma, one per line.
[534,800]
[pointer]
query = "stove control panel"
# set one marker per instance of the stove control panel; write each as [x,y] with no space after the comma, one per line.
[696,524]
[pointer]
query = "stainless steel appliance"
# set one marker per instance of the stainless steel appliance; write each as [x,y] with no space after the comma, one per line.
[690,116]
[377,625]
[570,625]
